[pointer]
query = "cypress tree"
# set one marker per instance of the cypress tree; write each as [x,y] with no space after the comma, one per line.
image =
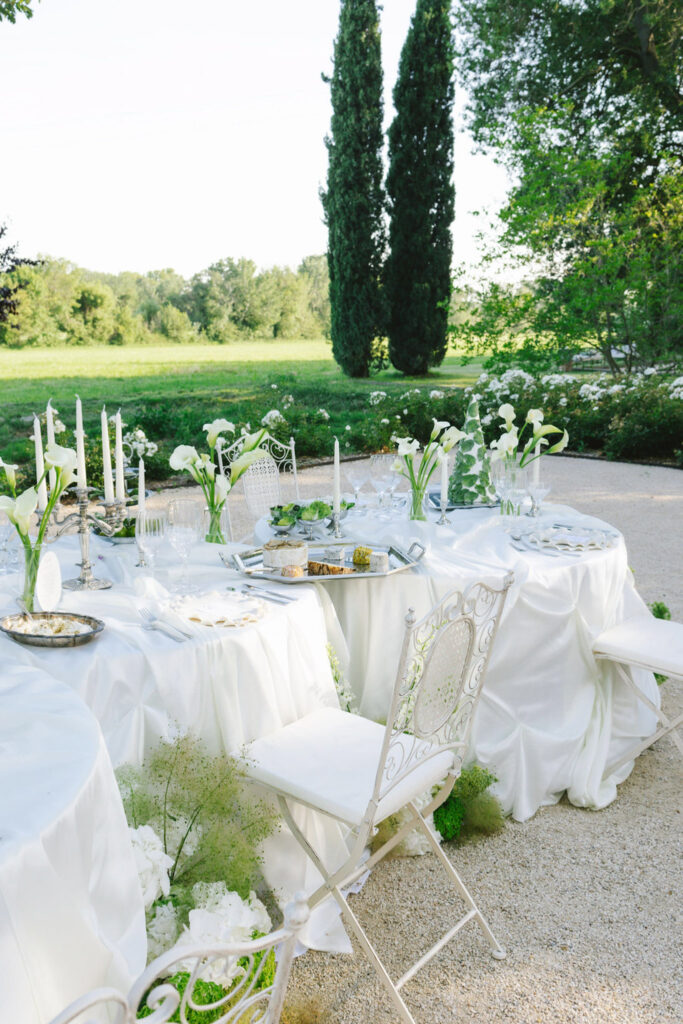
[421,192]
[354,200]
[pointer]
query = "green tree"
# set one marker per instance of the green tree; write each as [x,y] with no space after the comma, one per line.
[10,8]
[421,193]
[314,269]
[354,200]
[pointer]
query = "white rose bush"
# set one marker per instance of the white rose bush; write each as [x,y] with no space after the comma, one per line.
[204,470]
[20,509]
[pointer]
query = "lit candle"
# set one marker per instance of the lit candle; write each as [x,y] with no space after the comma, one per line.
[444,481]
[106,459]
[40,464]
[336,493]
[50,430]
[537,465]
[118,459]
[81,481]
[141,486]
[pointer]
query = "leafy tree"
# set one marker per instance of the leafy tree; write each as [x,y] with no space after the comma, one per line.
[354,200]
[9,261]
[10,8]
[314,269]
[584,102]
[421,192]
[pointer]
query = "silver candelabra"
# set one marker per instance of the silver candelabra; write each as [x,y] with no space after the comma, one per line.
[82,521]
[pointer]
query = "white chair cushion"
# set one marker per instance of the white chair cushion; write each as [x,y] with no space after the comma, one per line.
[329,760]
[644,642]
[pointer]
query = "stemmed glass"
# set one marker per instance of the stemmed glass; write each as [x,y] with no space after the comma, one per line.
[380,476]
[150,535]
[357,474]
[185,526]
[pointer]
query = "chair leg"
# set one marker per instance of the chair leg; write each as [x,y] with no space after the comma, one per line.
[372,956]
[667,727]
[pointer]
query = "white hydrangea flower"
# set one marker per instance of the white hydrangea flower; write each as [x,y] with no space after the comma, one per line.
[273,418]
[162,930]
[324,413]
[375,397]
[152,863]
[436,394]
[385,422]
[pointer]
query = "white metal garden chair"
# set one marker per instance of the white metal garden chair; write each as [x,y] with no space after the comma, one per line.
[649,643]
[284,456]
[360,772]
[261,484]
[244,1004]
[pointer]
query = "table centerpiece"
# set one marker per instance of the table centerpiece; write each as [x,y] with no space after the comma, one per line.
[443,438]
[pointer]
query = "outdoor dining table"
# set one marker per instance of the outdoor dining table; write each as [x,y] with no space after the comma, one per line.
[551,719]
[226,685]
[71,910]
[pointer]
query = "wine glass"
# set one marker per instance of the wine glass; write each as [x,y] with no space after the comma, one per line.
[150,535]
[380,476]
[185,524]
[357,473]
[538,490]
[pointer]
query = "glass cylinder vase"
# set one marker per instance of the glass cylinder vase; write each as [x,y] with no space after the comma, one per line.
[217,525]
[416,507]
[31,564]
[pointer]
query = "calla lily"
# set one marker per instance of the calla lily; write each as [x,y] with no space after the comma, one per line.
[439,425]
[184,457]
[215,428]
[206,465]
[10,473]
[451,437]
[407,445]
[252,441]
[535,416]
[222,488]
[242,464]
[64,460]
[507,413]
[561,444]
[506,443]
[20,510]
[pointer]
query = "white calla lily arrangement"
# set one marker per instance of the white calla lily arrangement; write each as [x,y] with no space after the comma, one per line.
[20,509]
[203,469]
[417,468]
[509,445]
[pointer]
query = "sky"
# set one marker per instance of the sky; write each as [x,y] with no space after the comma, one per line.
[142,134]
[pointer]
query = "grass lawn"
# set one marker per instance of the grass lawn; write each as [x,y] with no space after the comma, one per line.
[172,388]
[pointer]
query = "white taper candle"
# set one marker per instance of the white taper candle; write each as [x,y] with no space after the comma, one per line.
[81,480]
[50,431]
[40,464]
[141,485]
[537,465]
[118,459]
[336,491]
[106,458]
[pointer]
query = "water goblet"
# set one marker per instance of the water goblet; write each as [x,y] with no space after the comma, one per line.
[357,474]
[150,536]
[185,526]
[538,491]
[380,477]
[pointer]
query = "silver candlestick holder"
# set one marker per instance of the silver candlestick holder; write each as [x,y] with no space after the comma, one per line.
[336,526]
[442,520]
[82,521]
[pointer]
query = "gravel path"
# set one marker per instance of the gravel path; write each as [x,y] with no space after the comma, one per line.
[586,903]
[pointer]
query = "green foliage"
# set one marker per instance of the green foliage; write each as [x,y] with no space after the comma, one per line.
[469,808]
[56,303]
[660,610]
[10,8]
[421,192]
[198,804]
[354,200]
[206,993]
[583,103]
[471,477]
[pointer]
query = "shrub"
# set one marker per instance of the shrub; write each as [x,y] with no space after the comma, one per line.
[469,808]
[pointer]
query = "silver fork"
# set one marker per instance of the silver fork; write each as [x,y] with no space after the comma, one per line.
[153,622]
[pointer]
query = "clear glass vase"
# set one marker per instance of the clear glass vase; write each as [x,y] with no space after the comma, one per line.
[513,488]
[217,525]
[31,564]
[417,500]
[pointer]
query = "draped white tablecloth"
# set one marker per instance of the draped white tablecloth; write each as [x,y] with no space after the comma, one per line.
[228,685]
[71,910]
[551,718]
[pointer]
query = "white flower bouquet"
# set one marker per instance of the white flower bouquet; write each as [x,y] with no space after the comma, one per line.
[418,469]
[202,469]
[19,509]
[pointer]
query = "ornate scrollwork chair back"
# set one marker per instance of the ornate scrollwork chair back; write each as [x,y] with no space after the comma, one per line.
[441,673]
[284,458]
[239,967]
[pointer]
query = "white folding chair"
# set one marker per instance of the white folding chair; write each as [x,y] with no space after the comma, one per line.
[244,1003]
[284,456]
[261,484]
[649,643]
[360,772]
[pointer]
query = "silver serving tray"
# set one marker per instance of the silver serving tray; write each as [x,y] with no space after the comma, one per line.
[94,625]
[250,563]
[434,498]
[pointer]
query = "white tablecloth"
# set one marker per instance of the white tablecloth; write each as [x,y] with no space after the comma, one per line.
[228,685]
[550,717]
[71,911]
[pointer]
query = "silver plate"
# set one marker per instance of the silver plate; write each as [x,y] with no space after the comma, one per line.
[250,563]
[94,625]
